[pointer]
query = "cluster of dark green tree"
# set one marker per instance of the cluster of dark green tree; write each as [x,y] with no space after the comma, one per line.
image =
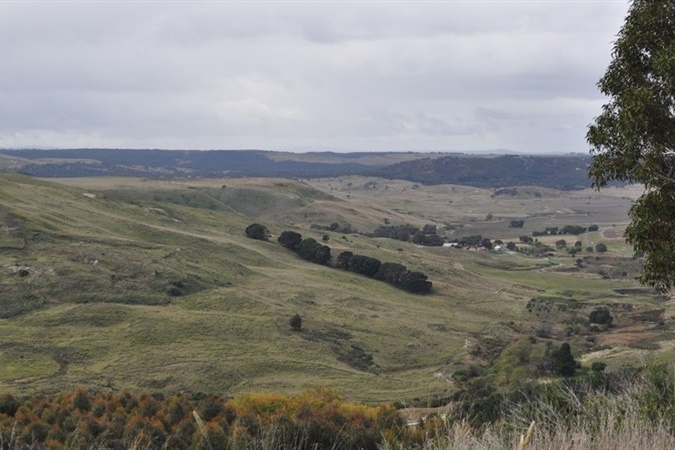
[557,172]
[171,164]
[427,236]
[567,229]
[537,248]
[392,273]
[474,240]
[601,316]
[308,249]
[395,274]
[336,227]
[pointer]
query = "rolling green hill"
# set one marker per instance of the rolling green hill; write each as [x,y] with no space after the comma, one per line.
[152,285]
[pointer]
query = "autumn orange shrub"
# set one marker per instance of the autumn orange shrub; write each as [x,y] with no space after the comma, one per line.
[315,419]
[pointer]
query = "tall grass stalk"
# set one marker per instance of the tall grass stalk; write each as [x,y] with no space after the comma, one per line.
[281,437]
[636,414]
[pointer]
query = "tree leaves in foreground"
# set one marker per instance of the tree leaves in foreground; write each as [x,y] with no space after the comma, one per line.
[634,138]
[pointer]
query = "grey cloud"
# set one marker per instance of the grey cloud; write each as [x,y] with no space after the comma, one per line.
[364,76]
[489,113]
[427,125]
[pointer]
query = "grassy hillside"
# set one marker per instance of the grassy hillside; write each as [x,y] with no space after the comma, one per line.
[146,284]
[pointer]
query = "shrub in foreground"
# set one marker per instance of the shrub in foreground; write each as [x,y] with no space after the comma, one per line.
[625,410]
[317,419]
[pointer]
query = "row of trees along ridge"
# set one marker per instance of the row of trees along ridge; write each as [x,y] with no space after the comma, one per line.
[392,273]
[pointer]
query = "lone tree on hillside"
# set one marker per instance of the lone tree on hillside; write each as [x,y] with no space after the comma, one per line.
[257,231]
[601,316]
[633,139]
[296,322]
[563,361]
[598,367]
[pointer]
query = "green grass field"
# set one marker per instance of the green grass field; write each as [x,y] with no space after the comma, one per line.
[152,285]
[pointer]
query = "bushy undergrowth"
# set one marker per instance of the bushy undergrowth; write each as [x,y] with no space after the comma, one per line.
[316,419]
[630,409]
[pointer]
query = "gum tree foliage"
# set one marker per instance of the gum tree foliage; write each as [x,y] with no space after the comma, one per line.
[563,361]
[311,250]
[8,404]
[428,240]
[391,273]
[571,229]
[485,242]
[633,139]
[601,316]
[473,240]
[365,265]
[343,260]
[398,232]
[295,322]
[257,231]
[415,282]
[395,274]
[290,239]
[429,229]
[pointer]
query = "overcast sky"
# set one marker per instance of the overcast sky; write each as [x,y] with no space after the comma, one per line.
[346,76]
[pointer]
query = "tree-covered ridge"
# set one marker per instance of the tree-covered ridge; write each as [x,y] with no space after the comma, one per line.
[175,164]
[567,172]
[561,172]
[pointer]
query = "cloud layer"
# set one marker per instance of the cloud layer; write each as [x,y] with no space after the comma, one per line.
[433,76]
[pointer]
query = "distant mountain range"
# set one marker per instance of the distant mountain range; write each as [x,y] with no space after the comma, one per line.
[565,172]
